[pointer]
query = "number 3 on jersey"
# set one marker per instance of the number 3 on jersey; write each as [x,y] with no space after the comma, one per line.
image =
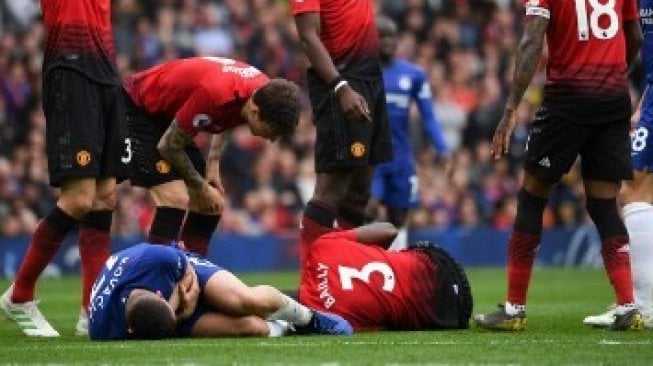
[598,11]
[347,274]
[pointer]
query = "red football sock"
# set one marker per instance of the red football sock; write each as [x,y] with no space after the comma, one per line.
[46,240]
[317,220]
[616,259]
[94,248]
[197,232]
[522,248]
[166,225]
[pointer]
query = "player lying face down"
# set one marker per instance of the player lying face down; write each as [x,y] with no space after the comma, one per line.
[167,106]
[351,273]
[153,291]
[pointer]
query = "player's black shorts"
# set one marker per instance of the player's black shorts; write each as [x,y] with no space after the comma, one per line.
[342,144]
[554,144]
[454,301]
[147,167]
[85,127]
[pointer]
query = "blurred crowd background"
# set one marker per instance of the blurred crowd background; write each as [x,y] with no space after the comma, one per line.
[465,46]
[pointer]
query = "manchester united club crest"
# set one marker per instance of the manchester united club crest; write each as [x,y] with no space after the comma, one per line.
[163,167]
[357,149]
[83,158]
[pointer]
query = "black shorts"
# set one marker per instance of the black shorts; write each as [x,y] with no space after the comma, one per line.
[147,167]
[554,145]
[454,304]
[85,127]
[342,144]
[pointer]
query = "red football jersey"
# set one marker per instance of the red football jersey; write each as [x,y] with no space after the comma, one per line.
[348,32]
[201,93]
[370,287]
[78,35]
[586,71]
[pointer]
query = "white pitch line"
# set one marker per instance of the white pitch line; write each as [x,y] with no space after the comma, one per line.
[217,344]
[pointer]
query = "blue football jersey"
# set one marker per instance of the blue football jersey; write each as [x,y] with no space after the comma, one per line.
[145,266]
[405,82]
[646,22]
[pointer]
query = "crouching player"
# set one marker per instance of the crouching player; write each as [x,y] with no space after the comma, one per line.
[154,291]
[351,273]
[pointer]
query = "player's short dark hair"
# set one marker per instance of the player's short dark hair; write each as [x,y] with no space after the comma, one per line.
[149,317]
[278,103]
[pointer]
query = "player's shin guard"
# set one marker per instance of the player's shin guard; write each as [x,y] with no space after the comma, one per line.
[614,248]
[197,232]
[47,238]
[166,225]
[94,248]
[638,217]
[523,245]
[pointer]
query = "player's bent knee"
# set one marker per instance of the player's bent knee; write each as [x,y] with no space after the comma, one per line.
[105,200]
[170,195]
[253,326]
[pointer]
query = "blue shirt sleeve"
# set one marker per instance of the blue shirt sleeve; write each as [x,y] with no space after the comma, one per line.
[423,96]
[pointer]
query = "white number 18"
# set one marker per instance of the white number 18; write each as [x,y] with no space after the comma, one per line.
[598,10]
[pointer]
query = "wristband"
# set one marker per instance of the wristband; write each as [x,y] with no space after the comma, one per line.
[340,85]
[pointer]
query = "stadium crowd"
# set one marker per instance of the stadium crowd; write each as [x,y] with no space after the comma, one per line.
[464,45]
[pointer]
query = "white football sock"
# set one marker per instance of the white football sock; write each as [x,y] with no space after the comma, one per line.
[514,309]
[292,312]
[278,328]
[638,217]
[401,241]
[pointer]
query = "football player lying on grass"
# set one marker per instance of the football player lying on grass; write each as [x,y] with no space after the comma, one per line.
[154,291]
[351,273]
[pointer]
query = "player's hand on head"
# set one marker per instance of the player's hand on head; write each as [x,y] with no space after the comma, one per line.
[188,296]
[354,105]
[502,135]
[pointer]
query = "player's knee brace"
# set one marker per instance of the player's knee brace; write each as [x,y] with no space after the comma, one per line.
[530,209]
[606,217]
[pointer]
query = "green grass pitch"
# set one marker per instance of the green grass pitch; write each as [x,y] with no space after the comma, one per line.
[559,299]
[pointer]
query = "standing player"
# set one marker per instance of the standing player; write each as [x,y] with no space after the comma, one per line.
[147,291]
[167,106]
[85,145]
[346,90]
[350,273]
[637,194]
[395,183]
[586,112]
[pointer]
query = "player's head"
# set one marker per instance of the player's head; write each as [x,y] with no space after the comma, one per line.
[273,110]
[149,316]
[387,36]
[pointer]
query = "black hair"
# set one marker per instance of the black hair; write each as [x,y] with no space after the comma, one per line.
[149,317]
[278,103]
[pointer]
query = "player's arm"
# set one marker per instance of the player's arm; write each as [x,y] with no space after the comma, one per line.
[172,147]
[424,100]
[527,59]
[218,144]
[353,104]
[633,36]
[638,111]
[379,233]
